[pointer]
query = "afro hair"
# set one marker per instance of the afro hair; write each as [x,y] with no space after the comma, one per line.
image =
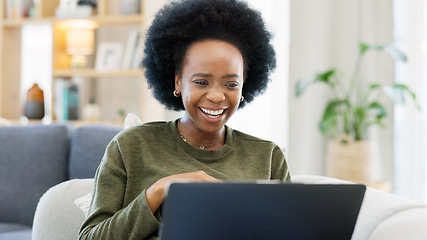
[182,23]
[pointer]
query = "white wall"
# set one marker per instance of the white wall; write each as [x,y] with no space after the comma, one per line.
[267,116]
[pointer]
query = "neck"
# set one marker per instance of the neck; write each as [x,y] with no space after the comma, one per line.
[197,138]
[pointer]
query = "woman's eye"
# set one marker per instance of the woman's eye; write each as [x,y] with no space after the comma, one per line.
[232,84]
[200,82]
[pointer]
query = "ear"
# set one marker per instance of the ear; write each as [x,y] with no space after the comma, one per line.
[177,82]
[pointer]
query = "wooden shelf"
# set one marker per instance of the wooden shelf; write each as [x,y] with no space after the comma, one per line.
[118,19]
[68,73]
[100,20]
[11,23]
[106,15]
[25,122]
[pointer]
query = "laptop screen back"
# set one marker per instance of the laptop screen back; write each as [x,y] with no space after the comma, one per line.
[260,211]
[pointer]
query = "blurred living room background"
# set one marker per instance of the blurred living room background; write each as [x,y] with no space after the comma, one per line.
[85,55]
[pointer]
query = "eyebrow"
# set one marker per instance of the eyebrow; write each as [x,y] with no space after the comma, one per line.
[231,76]
[210,75]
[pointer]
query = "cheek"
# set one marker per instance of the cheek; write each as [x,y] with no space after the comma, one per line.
[235,99]
[189,95]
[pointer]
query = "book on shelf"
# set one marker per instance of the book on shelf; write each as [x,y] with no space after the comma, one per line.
[137,57]
[16,9]
[130,48]
[66,100]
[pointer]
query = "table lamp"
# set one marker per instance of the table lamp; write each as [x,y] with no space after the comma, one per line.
[80,42]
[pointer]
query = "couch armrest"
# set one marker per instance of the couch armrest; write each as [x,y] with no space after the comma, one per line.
[382,215]
[407,224]
[57,217]
[317,179]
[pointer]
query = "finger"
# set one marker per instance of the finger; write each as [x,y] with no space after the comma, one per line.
[206,177]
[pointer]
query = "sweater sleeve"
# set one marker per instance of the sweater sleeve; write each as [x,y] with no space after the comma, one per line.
[280,170]
[108,218]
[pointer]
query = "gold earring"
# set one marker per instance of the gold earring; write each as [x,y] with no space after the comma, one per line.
[176,93]
[242,98]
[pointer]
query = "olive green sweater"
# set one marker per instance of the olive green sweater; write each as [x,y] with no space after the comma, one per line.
[139,156]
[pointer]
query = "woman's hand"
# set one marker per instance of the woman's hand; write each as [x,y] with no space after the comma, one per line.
[156,193]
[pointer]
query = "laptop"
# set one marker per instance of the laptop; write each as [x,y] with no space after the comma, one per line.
[240,210]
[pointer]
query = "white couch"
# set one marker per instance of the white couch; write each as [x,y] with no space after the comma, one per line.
[383,216]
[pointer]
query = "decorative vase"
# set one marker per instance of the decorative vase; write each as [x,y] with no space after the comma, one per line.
[34,107]
[351,160]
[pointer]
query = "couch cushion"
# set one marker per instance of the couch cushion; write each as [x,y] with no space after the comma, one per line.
[405,224]
[88,145]
[10,227]
[32,159]
[377,207]
[16,235]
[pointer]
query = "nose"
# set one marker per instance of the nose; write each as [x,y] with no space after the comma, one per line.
[215,94]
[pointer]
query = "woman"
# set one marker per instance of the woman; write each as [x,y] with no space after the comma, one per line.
[208,58]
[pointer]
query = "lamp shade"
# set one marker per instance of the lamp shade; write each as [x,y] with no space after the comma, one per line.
[80,41]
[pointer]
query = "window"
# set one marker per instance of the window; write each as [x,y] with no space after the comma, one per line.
[410,131]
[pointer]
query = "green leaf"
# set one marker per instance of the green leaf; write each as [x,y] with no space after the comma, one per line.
[397,93]
[381,112]
[363,48]
[358,123]
[406,89]
[331,116]
[302,84]
[324,77]
[327,125]
[360,112]
[374,86]
[387,48]
[394,53]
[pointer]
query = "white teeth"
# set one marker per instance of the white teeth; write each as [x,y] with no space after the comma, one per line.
[213,114]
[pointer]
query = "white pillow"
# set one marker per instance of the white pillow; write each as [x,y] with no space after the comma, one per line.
[83,203]
[132,120]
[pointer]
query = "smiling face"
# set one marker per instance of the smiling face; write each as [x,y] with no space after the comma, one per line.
[210,84]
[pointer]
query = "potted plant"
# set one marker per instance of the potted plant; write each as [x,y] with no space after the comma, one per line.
[353,108]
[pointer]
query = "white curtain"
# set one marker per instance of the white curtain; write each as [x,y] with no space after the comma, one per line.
[411,124]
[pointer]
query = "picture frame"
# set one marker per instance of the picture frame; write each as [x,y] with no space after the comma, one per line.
[108,56]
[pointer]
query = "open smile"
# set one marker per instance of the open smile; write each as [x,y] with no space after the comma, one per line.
[212,113]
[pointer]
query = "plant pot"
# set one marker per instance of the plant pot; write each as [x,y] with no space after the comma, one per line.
[352,160]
